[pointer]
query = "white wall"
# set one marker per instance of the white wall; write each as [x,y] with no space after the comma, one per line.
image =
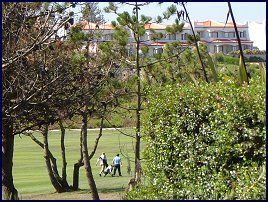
[257,33]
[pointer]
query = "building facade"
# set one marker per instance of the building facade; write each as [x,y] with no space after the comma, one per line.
[218,36]
[221,37]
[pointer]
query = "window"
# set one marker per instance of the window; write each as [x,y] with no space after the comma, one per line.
[144,37]
[244,47]
[200,34]
[157,51]
[108,37]
[172,37]
[218,49]
[184,36]
[231,35]
[242,34]
[214,34]
[129,52]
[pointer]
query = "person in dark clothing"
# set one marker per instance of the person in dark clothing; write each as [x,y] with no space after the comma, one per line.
[117,163]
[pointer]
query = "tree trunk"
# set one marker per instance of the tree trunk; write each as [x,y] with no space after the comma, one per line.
[54,164]
[138,173]
[64,162]
[52,177]
[138,124]
[76,174]
[77,166]
[8,189]
[90,179]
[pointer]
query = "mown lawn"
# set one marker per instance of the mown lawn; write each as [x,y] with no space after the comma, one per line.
[30,173]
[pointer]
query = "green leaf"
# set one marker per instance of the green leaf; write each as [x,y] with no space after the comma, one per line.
[145,19]
[212,67]
[242,72]
[145,49]
[170,11]
[263,72]
[159,19]
[193,79]
[141,31]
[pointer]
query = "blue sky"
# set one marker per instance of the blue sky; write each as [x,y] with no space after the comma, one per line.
[243,11]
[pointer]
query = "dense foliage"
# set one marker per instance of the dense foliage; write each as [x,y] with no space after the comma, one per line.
[205,142]
[249,51]
[233,58]
[222,58]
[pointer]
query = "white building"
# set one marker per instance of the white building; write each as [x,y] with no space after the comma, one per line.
[221,37]
[218,36]
[257,33]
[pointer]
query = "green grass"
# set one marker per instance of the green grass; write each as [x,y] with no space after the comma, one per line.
[30,173]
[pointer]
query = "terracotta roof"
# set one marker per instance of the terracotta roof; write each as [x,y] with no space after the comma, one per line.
[157,43]
[155,26]
[212,23]
[162,26]
[90,25]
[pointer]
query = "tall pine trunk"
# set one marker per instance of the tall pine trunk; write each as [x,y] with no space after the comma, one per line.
[77,166]
[53,164]
[138,110]
[52,177]
[90,179]
[8,189]
[63,155]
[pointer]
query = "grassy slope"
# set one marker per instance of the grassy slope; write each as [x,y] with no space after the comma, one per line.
[31,177]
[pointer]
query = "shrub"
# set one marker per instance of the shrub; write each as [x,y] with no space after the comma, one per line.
[221,58]
[255,59]
[249,51]
[205,142]
[231,60]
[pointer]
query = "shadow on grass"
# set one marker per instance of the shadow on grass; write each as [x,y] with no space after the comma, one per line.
[111,190]
[101,190]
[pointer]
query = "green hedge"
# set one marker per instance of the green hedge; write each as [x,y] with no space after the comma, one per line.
[249,51]
[222,58]
[205,142]
[255,59]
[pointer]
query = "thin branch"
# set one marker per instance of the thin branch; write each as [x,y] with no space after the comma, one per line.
[196,45]
[99,136]
[239,42]
[118,129]
[26,51]
[165,59]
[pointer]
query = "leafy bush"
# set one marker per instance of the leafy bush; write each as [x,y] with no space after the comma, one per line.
[255,59]
[251,52]
[205,142]
[231,60]
[221,58]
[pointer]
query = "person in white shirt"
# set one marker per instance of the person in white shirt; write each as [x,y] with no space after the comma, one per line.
[103,162]
[117,163]
[108,170]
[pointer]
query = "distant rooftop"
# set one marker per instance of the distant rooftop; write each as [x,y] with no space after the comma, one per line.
[213,23]
[160,26]
[90,26]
